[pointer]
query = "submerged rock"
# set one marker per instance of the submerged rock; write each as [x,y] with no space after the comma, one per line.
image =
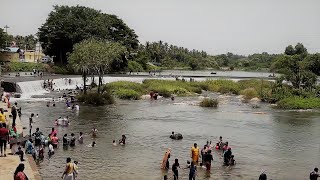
[177,136]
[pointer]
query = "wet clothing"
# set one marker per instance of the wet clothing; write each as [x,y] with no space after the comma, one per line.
[227,157]
[195,154]
[175,171]
[207,159]
[65,141]
[69,172]
[263,176]
[167,163]
[37,139]
[314,175]
[73,141]
[192,173]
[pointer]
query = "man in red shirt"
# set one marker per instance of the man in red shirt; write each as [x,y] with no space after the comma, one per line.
[4,136]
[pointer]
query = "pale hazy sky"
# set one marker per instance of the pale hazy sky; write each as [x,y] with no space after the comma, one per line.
[216,26]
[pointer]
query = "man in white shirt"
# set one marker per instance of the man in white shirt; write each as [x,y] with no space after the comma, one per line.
[51,150]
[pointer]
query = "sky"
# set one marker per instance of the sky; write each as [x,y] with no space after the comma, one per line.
[216,26]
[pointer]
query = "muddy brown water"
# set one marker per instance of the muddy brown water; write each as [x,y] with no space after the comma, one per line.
[285,144]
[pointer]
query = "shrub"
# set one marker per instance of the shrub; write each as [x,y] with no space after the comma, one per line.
[25,66]
[297,102]
[249,93]
[127,94]
[207,102]
[166,87]
[223,86]
[114,86]
[96,99]
[134,66]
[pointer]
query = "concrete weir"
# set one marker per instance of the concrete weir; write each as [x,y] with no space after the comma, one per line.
[9,164]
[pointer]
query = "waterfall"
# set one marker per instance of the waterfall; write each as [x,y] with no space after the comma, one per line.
[30,88]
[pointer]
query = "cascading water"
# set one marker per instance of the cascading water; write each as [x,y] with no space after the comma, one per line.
[30,88]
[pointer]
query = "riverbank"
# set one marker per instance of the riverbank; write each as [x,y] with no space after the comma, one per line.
[8,164]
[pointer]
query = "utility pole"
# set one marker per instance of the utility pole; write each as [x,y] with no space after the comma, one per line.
[6,28]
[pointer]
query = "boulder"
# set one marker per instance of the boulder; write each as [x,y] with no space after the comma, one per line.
[177,136]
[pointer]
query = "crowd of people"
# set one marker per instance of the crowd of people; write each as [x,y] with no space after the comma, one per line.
[206,155]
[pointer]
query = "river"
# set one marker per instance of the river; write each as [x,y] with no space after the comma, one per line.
[282,143]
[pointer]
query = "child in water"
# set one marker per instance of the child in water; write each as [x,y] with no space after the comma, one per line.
[93,144]
[114,143]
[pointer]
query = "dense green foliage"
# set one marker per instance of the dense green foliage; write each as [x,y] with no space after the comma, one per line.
[298,102]
[208,102]
[170,56]
[2,38]
[97,99]
[24,42]
[93,56]
[66,26]
[126,89]
[25,67]
[249,93]
[134,66]
[297,66]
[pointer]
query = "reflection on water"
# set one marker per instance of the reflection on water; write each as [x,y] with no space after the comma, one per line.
[284,144]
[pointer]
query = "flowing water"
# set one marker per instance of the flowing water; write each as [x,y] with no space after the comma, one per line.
[285,144]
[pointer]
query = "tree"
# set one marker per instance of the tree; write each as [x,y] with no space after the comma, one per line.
[312,62]
[66,26]
[289,50]
[295,68]
[2,38]
[95,56]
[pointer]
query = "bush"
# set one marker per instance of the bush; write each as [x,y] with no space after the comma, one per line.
[25,67]
[207,102]
[134,66]
[249,93]
[62,70]
[113,86]
[223,86]
[166,87]
[96,98]
[127,94]
[297,102]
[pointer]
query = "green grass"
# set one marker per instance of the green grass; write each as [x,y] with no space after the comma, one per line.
[297,102]
[126,89]
[223,86]
[166,87]
[127,94]
[95,98]
[208,102]
[25,67]
[249,93]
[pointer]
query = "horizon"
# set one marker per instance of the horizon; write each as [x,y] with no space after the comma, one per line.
[241,28]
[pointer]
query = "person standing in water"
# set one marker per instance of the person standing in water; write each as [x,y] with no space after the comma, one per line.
[30,123]
[80,139]
[195,153]
[314,174]
[192,173]
[65,141]
[68,171]
[175,171]
[72,140]
[123,140]
[94,132]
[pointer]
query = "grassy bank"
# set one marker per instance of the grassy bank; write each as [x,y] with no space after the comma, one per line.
[94,98]
[28,67]
[297,102]
[285,96]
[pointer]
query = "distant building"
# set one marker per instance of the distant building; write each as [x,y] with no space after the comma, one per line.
[15,54]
